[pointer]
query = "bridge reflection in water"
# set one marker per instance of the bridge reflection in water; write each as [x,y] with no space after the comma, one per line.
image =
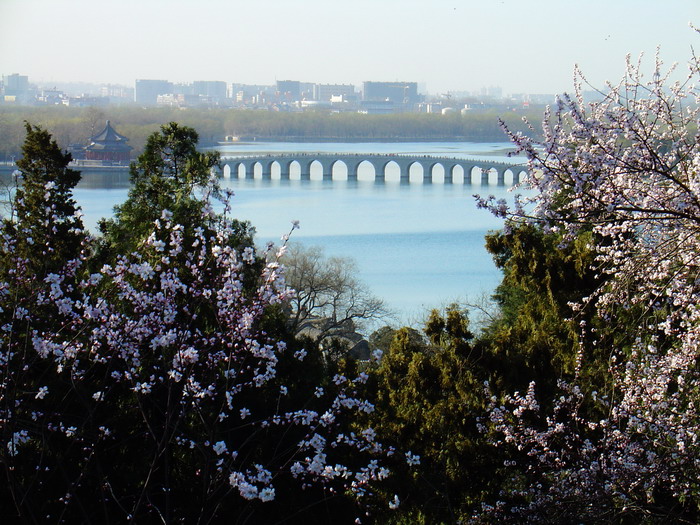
[409,167]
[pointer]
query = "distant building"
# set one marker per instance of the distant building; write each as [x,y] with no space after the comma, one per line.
[16,88]
[198,93]
[372,107]
[306,90]
[289,90]
[117,94]
[108,146]
[179,100]
[51,97]
[211,90]
[180,89]
[246,94]
[326,92]
[315,104]
[493,92]
[168,99]
[86,101]
[15,85]
[397,92]
[146,91]
[538,98]
[430,107]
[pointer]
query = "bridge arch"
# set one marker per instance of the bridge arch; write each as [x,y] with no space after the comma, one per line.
[489,175]
[339,170]
[246,169]
[519,174]
[389,171]
[232,168]
[415,171]
[475,175]
[305,168]
[454,174]
[317,170]
[289,169]
[436,173]
[275,170]
[511,176]
[354,169]
[256,169]
[366,170]
[267,169]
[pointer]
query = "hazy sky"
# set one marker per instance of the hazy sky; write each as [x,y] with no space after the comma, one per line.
[519,45]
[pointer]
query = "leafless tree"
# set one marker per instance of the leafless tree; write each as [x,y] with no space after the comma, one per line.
[328,292]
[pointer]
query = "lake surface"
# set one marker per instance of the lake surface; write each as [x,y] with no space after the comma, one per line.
[416,246]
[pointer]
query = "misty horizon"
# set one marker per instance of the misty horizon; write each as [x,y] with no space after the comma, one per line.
[522,47]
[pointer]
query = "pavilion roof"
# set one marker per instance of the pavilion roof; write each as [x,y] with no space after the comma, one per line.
[108,135]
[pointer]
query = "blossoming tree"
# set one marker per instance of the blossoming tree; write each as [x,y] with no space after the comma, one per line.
[151,388]
[626,172]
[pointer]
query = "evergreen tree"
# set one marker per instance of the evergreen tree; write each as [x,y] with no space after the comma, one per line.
[431,397]
[41,249]
[166,176]
[45,224]
[429,401]
[535,335]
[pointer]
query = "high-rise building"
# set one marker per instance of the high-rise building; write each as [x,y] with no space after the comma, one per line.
[146,91]
[252,94]
[214,90]
[117,93]
[325,92]
[15,85]
[289,90]
[397,92]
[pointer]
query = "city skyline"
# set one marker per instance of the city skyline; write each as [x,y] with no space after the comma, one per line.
[522,47]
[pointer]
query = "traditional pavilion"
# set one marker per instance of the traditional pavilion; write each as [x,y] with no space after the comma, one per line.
[108,146]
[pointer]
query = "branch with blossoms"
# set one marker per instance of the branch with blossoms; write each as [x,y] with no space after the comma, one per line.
[150,385]
[627,170]
[565,466]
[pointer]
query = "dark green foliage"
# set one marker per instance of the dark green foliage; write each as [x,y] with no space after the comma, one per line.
[428,389]
[165,177]
[45,223]
[429,400]
[42,234]
[382,338]
[168,176]
[535,336]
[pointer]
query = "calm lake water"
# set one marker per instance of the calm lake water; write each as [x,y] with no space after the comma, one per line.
[416,246]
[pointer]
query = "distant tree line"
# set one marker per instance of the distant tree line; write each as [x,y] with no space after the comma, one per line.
[76,125]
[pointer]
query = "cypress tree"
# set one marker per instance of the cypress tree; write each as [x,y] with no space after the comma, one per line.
[45,222]
[165,176]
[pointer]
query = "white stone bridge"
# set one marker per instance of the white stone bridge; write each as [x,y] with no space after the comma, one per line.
[472,170]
